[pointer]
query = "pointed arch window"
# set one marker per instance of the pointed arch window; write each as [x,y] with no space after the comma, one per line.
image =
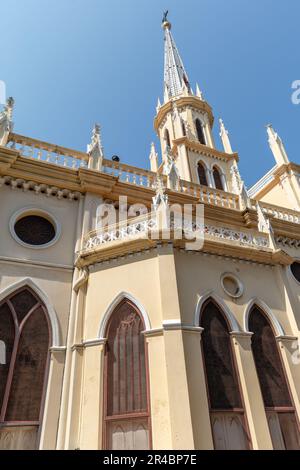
[226,405]
[183,126]
[280,411]
[202,174]
[126,397]
[217,178]
[24,329]
[200,132]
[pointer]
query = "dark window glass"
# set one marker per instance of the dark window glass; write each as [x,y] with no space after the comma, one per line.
[283,425]
[126,366]
[27,344]
[267,360]
[7,335]
[183,128]
[295,267]
[29,371]
[202,174]
[200,133]
[34,230]
[217,179]
[167,138]
[23,303]
[221,375]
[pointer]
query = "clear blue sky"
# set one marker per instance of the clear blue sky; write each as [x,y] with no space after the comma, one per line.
[70,63]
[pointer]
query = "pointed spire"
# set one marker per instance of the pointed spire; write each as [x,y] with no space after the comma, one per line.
[153,158]
[95,149]
[277,146]
[225,137]
[175,77]
[199,92]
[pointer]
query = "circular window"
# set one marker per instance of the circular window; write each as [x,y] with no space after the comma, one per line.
[34,228]
[232,285]
[295,268]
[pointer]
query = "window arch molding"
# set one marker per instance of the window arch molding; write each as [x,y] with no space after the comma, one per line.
[274,322]
[210,295]
[49,309]
[111,308]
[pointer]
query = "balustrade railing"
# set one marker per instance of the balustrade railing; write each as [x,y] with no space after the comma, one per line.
[130,174]
[281,213]
[43,151]
[210,195]
[147,224]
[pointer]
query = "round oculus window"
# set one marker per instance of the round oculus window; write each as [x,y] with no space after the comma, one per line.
[232,285]
[295,268]
[34,230]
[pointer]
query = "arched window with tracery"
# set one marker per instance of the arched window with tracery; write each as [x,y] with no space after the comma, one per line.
[202,174]
[24,329]
[200,132]
[280,411]
[225,401]
[217,178]
[126,397]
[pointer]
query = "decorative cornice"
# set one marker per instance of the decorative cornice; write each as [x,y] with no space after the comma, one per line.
[204,149]
[27,185]
[58,349]
[89,344]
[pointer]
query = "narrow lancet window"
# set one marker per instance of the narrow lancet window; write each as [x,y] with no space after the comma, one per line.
[127,417]
[226,406]
[280,410]
[200,132]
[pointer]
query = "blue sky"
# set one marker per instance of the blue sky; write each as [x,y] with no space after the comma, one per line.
[71,63]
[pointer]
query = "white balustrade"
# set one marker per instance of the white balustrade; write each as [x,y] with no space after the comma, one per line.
[281,213]
[146,224]
[29,148]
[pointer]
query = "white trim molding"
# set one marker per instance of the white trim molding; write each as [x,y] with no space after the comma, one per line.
[28,282]
[267,311]
[226,311]
[121,296]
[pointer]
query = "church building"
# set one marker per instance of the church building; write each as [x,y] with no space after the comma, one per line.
[128,335]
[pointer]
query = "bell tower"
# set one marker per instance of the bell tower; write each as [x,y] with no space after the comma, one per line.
[184,124]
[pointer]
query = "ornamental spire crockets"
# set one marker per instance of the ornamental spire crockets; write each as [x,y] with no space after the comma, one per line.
[176,80]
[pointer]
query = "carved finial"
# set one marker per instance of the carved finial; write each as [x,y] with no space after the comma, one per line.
[95,149]
[225,137]
[153,158]
[199,92]
[158,105]
[160,196]
[277,146]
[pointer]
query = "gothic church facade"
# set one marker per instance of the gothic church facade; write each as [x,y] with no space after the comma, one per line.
[112,339]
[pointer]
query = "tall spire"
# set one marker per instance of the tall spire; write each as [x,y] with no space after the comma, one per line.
[176,79]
